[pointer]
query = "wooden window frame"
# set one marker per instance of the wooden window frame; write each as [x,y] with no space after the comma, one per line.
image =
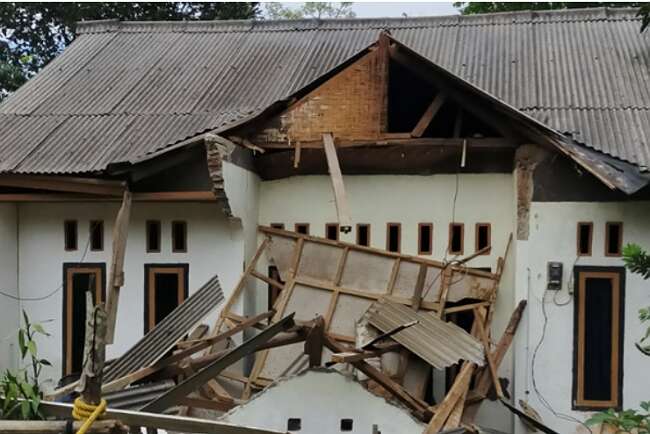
[295,227]
[69,270]
[146,240]
[399,236]
[366,225]
[338,230]
[65,235]
[277,226]
[620,239]
[476,237]
[101,235]
[591,238]
[150,270]
[581,274]
[462,238]
[430,251]
[184,249]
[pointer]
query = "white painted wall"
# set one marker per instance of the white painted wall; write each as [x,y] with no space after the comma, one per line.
[409,200]
[9,307]
[215,245]
[321,399]
[553,238]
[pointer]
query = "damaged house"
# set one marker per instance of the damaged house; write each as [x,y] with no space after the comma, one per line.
[398,185]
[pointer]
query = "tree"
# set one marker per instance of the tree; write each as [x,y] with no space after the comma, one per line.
[468,8]
[32,34]
[318,10]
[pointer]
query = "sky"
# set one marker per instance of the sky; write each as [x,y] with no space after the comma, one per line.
[397,9]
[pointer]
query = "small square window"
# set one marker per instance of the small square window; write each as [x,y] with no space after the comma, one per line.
[456,241]
[425,238]
[294,424]
[302,228]
[277,226]
[96,235]
[346,424]
[179,236]
[613,239]
[332,231]
[363,234]
[393,237]
[153,235]
[483,236]
[70,235]
[585,235]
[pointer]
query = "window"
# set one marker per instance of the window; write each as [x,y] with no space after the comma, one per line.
[179,236]
[425,238]
[598,337]
[78,279]
[346,424]
[294,424]
[585,234]
[363,234]
[613,238]
[277,226]
[96,235]
[302,228]
[165,288]
[153,236]
[483,236]
[332,231]
[456,241]
[70,235]
[393,237]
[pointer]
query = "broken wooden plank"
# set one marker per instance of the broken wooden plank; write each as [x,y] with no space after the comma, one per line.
[314,342]
[90,384]
[416,300]
[340,197]
[428,115]
[212,370]
[355,356]
[488,354]
[116,276]
[457,390]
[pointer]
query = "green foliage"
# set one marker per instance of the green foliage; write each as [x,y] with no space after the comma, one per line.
[626,420]
[637,260]
[20,394]
[468,8]
[38,31]
[318,10]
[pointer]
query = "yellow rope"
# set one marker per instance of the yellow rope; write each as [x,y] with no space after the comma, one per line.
[87,412]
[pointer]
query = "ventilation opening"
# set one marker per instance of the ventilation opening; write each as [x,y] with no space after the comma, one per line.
[346,424]
[96,235]
[425,238]
[153,236]
[584,238]
[614,239]
[456,238]
[363,234]
[302,228]
[179,236]
[332,231]
[393,237]
[483,236]
[294,424]
[277,226]
[70,234]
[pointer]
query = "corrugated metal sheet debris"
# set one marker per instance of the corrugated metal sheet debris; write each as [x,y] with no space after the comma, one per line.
[438,342]
[585,71]
[135,397]
[153,346]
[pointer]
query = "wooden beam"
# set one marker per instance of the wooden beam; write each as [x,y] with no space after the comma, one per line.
[399,139]
[340,197]
[165,196]
[456,392]
[59,426]
[116,276]
[354,356]
[416,301]
[65,184]
[183,389]
[90,384]
[314,342]
[488,354]
[428,115]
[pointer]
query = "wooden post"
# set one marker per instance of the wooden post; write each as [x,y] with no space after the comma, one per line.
[340,198]
[488,354]
[116,276]
[90,385]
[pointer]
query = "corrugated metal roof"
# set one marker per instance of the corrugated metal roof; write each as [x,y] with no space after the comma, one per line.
[438,342]
[585,71]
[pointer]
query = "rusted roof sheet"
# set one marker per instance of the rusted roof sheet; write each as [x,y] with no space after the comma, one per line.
[580,71]
[438,342]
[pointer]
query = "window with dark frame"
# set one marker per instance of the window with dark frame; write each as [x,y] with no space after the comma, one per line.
[456,238]
[179,236]
[393,237]
[613,239]
[363,234]
[153,236]
[598,337]
[96,235]
[302,228]
[294,424]
[277,225]
[332,231]
[585,236]
[346,425]
[425,238]
[483,236]
[70,236]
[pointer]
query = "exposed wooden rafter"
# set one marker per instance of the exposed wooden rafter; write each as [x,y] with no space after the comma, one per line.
[428,115]
[65,184]
[340,198]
